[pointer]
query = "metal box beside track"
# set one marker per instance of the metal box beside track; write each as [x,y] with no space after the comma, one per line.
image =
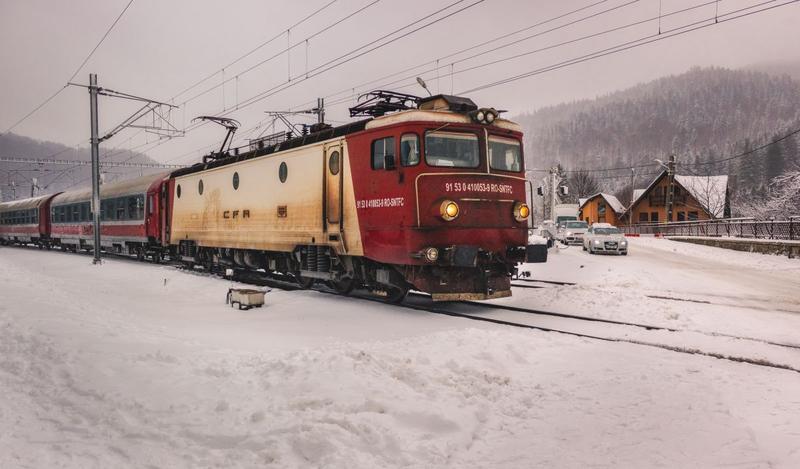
[245,298]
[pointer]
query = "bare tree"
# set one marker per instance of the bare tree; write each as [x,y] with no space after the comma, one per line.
[582,184]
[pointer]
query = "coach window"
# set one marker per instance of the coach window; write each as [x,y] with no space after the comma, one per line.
[452,149]
[84,212]
[200,187]
[283,172]
[409,150]
[132,208]
[179,191]
[151,204]
[120,205]
[235,181]
[382,148]
[504,154]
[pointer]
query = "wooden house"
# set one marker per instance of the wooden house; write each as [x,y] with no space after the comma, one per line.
[694,198]
[602,208]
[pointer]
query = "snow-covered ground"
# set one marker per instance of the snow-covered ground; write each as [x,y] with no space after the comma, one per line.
[136,365]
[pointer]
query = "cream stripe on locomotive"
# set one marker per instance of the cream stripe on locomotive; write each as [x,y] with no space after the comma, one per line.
[264,213]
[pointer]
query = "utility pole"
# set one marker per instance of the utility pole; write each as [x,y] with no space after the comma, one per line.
[633,190]
[553,189]
[160,125]
[671,186]
[95,165]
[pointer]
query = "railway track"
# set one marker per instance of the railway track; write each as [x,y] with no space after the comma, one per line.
[574,325]
[621,332]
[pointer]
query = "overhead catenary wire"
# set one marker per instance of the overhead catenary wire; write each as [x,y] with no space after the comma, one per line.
[108,31]
[77,70]
[288,49]
[256,48]
[541,49]
[627,45]
[349,56]
[645,40]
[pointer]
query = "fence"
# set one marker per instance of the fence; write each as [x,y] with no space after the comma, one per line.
[788,229]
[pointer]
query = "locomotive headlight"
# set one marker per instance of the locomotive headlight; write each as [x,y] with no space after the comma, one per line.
[431,254]
[521,211]
[490,117]
[448,210]
[480,116]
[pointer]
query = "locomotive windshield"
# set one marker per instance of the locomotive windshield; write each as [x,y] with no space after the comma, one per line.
[452,149]
[504,154]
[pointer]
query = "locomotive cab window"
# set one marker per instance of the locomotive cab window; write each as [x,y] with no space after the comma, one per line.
[383,151]
[504,154]
[452,149]
[409,150]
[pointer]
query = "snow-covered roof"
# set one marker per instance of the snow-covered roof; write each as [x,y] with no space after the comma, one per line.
[581,201]
[637,193]
[710,191]
[612,201]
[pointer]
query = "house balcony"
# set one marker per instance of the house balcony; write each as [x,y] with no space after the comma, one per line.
[661,200]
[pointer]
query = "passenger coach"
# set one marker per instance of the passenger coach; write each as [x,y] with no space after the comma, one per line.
[129,212]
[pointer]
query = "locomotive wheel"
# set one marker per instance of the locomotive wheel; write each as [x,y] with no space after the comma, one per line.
[344,285]
[396,294]
[304,282]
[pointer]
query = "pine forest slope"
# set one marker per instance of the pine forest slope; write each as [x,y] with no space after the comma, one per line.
[701,115]
[16,179]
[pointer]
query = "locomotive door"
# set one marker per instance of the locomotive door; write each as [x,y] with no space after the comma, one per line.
[334,165]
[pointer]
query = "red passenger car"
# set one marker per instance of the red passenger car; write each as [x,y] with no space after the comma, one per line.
[26,220]
[130,217]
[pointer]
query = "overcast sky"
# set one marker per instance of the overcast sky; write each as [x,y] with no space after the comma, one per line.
[159,48]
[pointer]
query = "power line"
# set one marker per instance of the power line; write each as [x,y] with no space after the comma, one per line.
[253,50]
[343,59]
[743,154]
[52,96]
[550,47]
[697,25]
[278,54]
[110,164]
[542,49]
[503,36]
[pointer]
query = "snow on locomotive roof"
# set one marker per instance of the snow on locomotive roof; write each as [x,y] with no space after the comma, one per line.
[434,116]
[23,204]
[112,189]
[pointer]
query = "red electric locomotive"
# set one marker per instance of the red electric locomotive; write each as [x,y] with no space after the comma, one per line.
[431,197]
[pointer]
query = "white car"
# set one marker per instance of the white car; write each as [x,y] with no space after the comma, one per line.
[604,237]
[572,231]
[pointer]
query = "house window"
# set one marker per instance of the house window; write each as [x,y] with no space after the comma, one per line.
[642,217]
[693,216]
[681,216]
[654,216]
[382,148]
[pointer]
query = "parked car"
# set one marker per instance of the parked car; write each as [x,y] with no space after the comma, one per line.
[571,232]
[604,237]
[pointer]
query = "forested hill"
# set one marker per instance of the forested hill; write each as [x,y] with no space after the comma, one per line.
[54,178]
[700,115]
